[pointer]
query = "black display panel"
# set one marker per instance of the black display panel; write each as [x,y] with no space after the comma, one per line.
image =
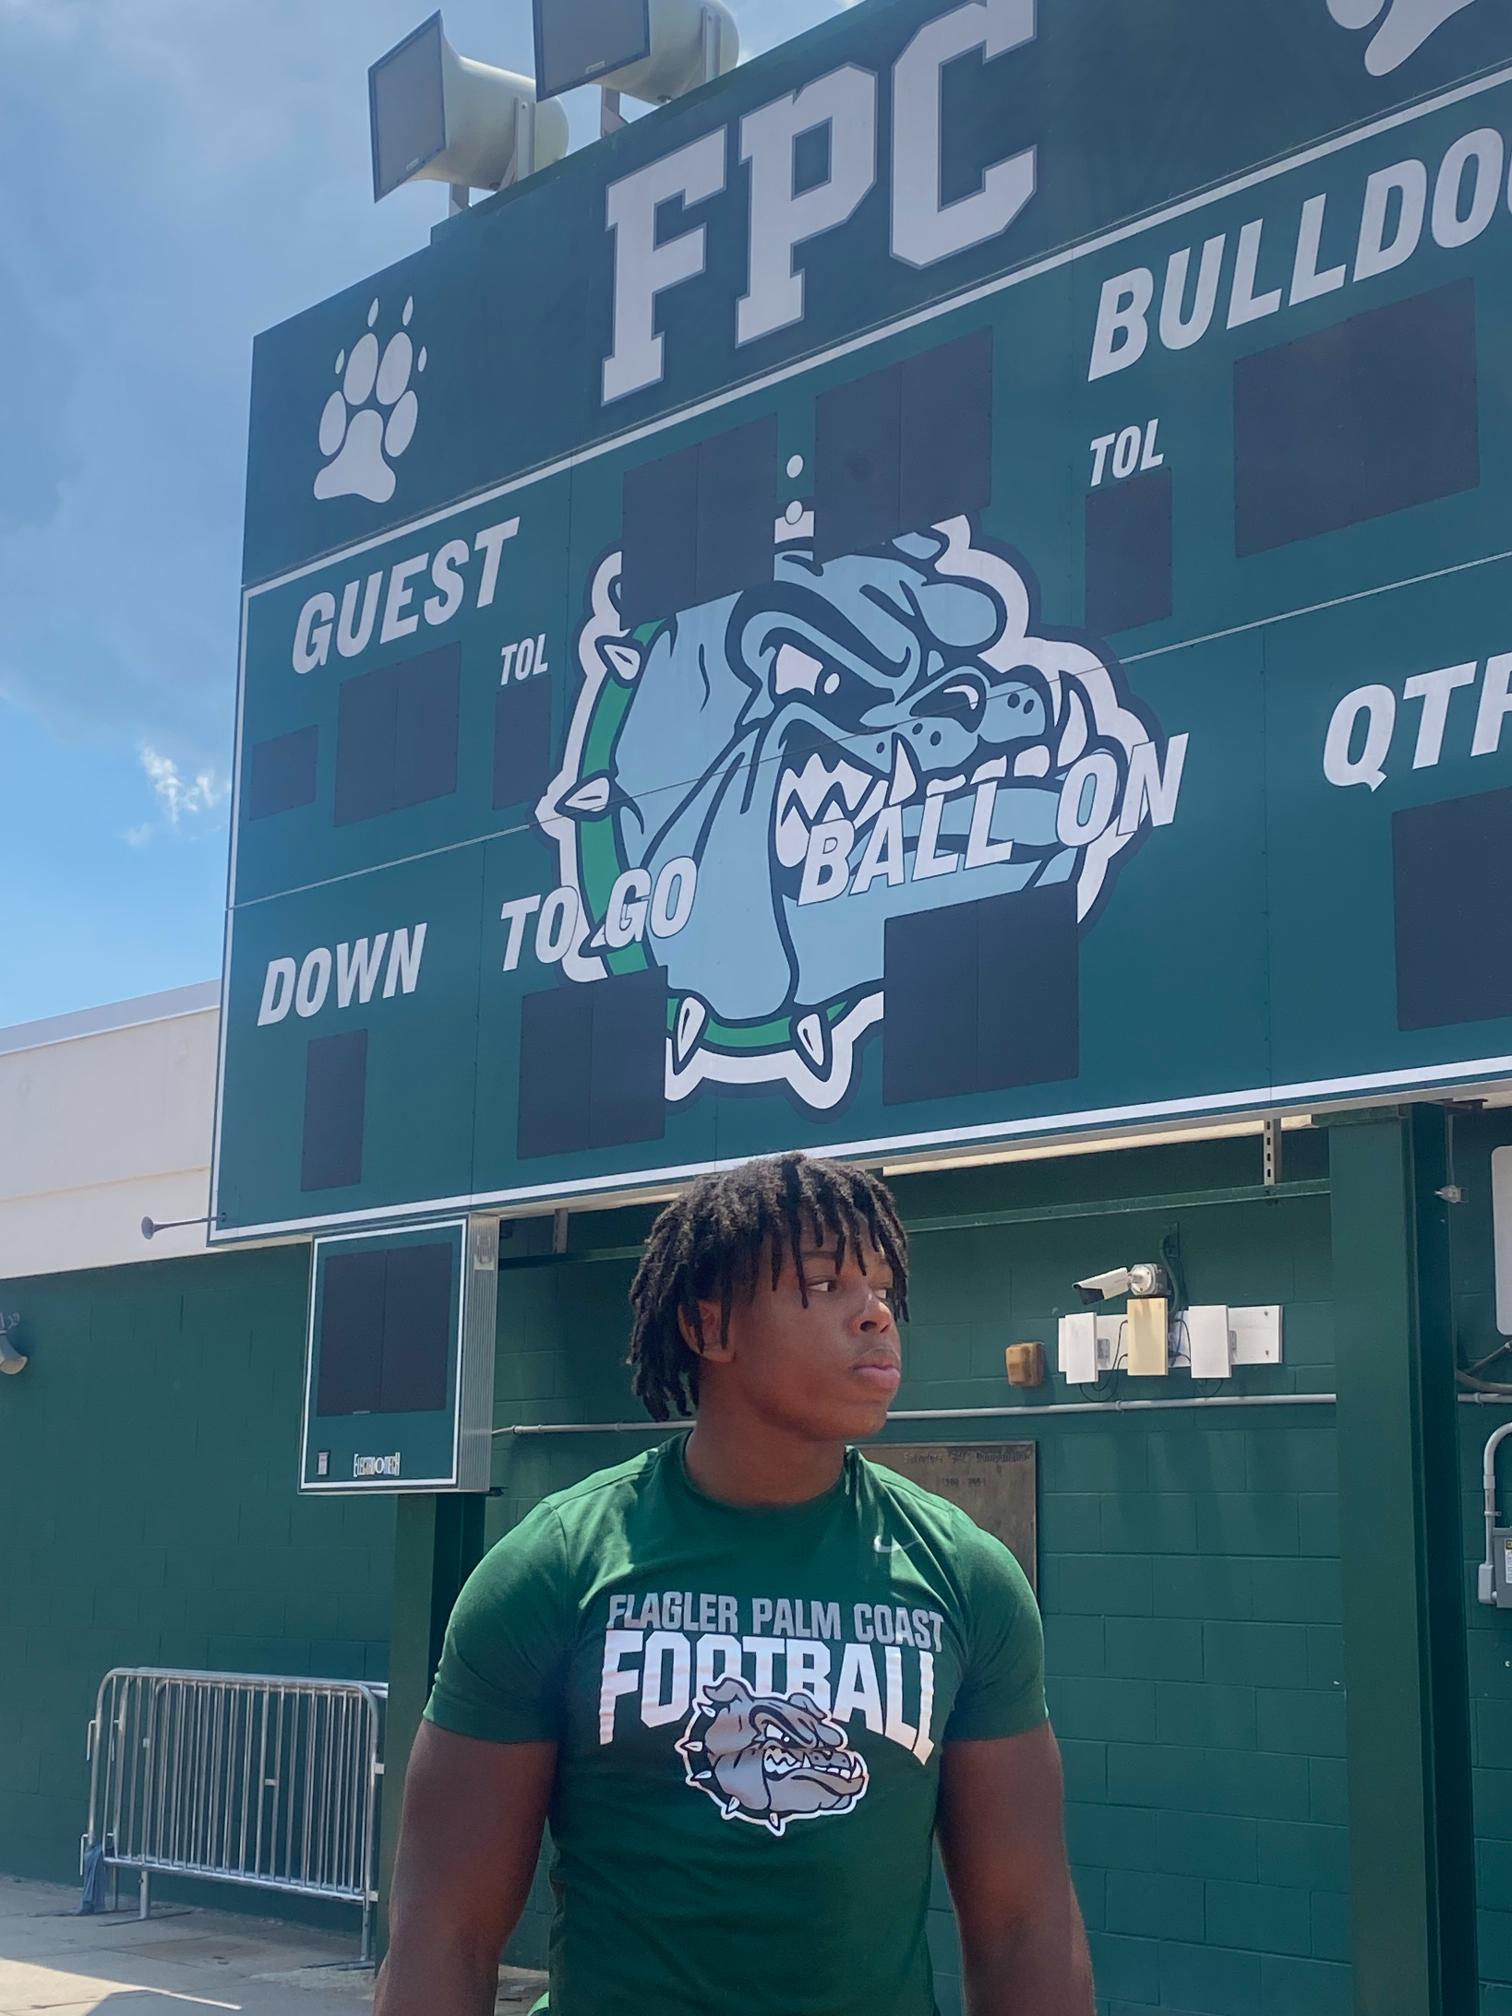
[945,417]
[1371,416]
[281,773]
[427,702]
[627,1076]
[737,507]
[351,1333]
[659,549]
[931,974]
[904,448]
[857,452]
[556,1040]
[1452,872]
[416,1329]
[982,997]
[700,524]
[1128,553]
[593,1065]
[1028,988]
[334,1111]
[365,725]
[522,764]
[396,735]
[385,1331]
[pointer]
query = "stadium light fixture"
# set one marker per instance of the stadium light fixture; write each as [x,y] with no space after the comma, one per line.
[649,50]
[436,116]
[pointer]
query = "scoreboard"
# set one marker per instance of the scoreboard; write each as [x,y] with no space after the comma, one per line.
[947,588]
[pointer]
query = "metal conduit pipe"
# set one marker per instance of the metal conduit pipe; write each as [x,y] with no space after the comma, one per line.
[965,1413]
[1485,1584]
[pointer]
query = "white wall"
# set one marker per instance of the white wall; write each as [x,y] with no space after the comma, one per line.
[105,1118]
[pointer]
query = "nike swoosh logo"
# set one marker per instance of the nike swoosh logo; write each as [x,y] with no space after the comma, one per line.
[890,1546]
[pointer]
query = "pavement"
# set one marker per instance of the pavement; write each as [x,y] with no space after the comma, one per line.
[180,1960]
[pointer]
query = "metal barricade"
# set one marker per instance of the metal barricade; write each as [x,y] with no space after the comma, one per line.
[241,1778]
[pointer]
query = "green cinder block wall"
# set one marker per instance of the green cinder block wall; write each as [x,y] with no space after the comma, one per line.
[148,1459]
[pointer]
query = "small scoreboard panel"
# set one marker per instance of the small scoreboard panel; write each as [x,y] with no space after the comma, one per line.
[940,634]
[399,1361]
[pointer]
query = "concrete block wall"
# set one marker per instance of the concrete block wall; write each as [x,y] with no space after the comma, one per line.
[1195,1679]
[149,1459]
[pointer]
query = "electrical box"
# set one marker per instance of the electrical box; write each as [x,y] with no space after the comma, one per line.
[1149,1318]
[1501,1235]
[1216,1339]
[1210,1341]
[1257,1334]
[1078,1348]
[1496,1574]
[1026,1364]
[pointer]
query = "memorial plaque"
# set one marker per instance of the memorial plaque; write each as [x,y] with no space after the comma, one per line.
[993,1481]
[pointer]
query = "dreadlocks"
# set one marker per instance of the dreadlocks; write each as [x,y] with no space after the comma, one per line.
[712,1241]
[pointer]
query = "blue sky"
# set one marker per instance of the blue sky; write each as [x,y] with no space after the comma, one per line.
[177,175]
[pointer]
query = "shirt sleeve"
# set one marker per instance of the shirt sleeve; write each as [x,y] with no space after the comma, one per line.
[1003,1690]
[503,1666]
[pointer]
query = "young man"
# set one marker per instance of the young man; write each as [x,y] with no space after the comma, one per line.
[749,1676]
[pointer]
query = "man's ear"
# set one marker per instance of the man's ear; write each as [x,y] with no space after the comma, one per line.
[702,1336]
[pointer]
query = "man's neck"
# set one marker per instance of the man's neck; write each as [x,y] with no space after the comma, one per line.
[755,1464]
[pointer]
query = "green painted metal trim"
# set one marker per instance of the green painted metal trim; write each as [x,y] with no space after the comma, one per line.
[1039,1214]
[1120,1207]
[1408,1741]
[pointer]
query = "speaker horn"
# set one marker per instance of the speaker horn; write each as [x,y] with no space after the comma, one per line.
[436,116]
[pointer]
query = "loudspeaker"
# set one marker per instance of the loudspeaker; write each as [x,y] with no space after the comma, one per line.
[440,117]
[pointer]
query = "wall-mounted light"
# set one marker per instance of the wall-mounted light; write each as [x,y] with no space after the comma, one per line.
[11,1360]
[151,1228]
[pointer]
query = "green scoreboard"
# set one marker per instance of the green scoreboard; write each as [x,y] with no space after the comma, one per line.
[947,588]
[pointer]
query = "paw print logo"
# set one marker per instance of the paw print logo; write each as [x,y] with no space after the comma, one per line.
[369,420]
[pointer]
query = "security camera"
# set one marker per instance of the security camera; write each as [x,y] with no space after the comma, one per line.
[1145,1277]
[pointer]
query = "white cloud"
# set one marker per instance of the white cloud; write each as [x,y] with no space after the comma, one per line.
[181,798]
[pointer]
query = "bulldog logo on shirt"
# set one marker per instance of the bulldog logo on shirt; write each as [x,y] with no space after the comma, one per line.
[769,1758]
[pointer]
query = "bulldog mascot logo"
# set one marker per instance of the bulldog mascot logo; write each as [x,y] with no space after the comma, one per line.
[769,1758]
[861,738]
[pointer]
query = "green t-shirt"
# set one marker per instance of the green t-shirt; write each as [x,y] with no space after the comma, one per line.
[749,1707]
